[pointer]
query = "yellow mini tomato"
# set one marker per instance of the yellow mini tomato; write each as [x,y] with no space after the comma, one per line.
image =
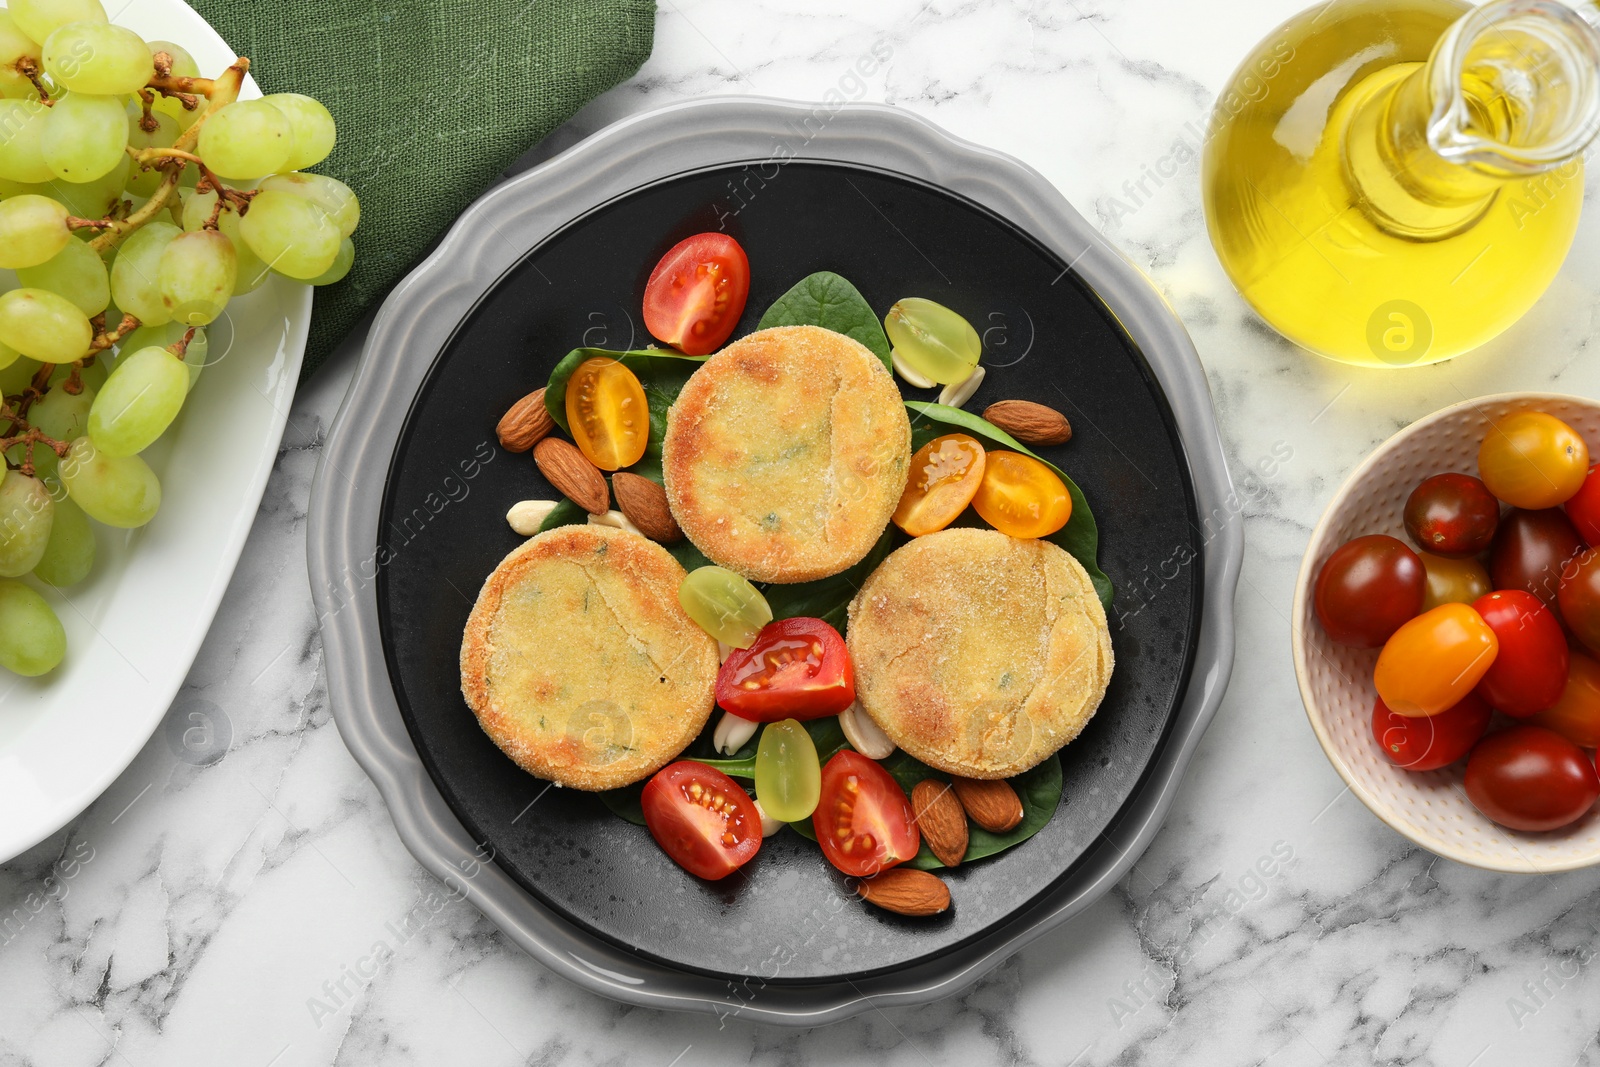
[1435,660]
[1532,460]
[607,413]
[1021,496]
[945,473]
[1452,581]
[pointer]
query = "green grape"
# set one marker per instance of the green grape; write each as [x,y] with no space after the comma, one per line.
[43,325]
[94,199]
[291,233]
[97,57]
[40,18]
[138,403]
[166,335]
[84,137]
[8,356]
[22,124]
[121,492]
[9,188]
[173,108]
[26,512]
[15,46]
[32,230]
[144,182]
[92,375]
[331,194]
[183,64]
[252,271]
[341,264]
[61,415]
[312,129]
[136,273]
[936,341]
[788,773]
[724,605]
[248,139]
[78,273]
[197,272]
[32,641]
[14,377]
[69,557]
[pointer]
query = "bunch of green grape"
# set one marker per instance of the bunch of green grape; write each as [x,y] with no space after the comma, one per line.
[137,198]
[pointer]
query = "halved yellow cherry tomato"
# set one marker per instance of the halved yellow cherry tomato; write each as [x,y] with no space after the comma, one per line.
[1021,496]
[607,413]
[945,473]
[1432,662]
[1532,460]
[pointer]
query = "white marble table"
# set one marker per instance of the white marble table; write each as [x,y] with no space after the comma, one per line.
[230,909]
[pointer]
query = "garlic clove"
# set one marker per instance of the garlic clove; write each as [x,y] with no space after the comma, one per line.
[732,733]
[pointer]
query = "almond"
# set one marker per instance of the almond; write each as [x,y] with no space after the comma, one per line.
[526,424]
[905,892]
[941,820]
[645,503]
[1030,423]
[991,803]
[573,476]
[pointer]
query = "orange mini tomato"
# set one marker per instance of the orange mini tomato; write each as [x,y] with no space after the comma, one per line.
[1021,496]
[945,473]
[607,413]
[1435,660]
[1533,460]
[1576,715]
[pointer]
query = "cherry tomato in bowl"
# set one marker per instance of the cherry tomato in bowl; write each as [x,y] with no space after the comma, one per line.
[701,819]
[1533,460]
[1021,496]
[1584,507]
[945,474]
[1452,515]
[696,294]
[1530,549]
[1368,589]
[1530,669]
[1576,714]
[796,669]
[1579,597]
[1453,581]
[1530,778]
[864,821]
[1435,660]
[1428,742]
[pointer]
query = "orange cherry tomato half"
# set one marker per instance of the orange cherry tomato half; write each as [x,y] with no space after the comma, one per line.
[1021,496]
[1576,713]
[696,294]
[1435,660]
[607,413]
[1533,460]
[701,819]
[945,474]
[797,669]
[864,821]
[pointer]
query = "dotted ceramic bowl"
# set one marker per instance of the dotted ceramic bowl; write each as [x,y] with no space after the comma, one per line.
[1431,808]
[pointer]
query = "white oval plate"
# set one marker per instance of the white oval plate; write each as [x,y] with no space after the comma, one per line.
[134,626]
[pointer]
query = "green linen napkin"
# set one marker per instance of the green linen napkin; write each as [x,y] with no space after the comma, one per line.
[434,99]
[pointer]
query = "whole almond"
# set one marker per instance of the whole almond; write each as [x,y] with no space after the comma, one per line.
[526,424]
[573,476]
[905,892]
[645,503]
[1030,423]
[941,820]
[991,803]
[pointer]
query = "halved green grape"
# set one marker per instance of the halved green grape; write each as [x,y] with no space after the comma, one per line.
[935,341]
[84,136]
[43,325]
[341,264]
[136,273]
[32,230]
[15,46]
[98,57]
[93,199]
[248,139]
[788,773]
[197,272]
[76,272]
[724,605]
[312,129]
[292,234]
[333,195]
[69,557]
[40,18]
[26,512]
[138,402]
[32,641]
[252,271]
[118,491]
[22,124]
[144,181]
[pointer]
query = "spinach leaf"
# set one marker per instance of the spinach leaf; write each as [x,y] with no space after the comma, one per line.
[1039,789]
[827,300]
[1080,536]
[829,598]
[565,513]
[624,802]
[661,373]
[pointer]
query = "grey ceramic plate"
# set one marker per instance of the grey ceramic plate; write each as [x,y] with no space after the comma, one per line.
[416,325]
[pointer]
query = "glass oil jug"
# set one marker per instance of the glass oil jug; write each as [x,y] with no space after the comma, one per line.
[1394,182]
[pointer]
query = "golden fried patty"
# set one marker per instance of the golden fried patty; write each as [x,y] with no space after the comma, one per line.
[579,662]
[978,653]
[786,453]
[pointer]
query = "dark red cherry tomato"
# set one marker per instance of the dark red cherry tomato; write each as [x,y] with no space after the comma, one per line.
[797,669]
[1529,550]
[1368,589]
[1530,778]
[1584,508]
[1530,669]
[864,821]
[696,294]
[1579,597]
[1576,716]
[1428,742]
[702,819]
[1452,515]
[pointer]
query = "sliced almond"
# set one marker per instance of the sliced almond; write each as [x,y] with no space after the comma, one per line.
[526,424]
[906,892]
[863,734]
[572,475]
[954,396]
[645,502]
[991,803]
[941,820]
[526,516]
[1030,423]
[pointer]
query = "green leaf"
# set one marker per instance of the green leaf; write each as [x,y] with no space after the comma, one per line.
[565,513]
[829,598]
[1080,536]
[827,300]
[661,373]
[625,802]
[1039,790]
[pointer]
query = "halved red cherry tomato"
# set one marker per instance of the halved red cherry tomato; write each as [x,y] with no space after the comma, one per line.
[1529,778]
[1576,715]
[1428,742]
[1530,670]
[864,821]
[1584,508]
[1367,589]
[1435,660]
[796,669]
[701,819]
[696,294]
[607,413]
[1021,496]
[945,474]
[1452,515]
[1533,460]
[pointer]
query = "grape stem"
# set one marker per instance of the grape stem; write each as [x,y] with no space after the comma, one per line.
[147,99]
[180,347]
[28,67]
[105,339]
[31,437]
[76,223]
